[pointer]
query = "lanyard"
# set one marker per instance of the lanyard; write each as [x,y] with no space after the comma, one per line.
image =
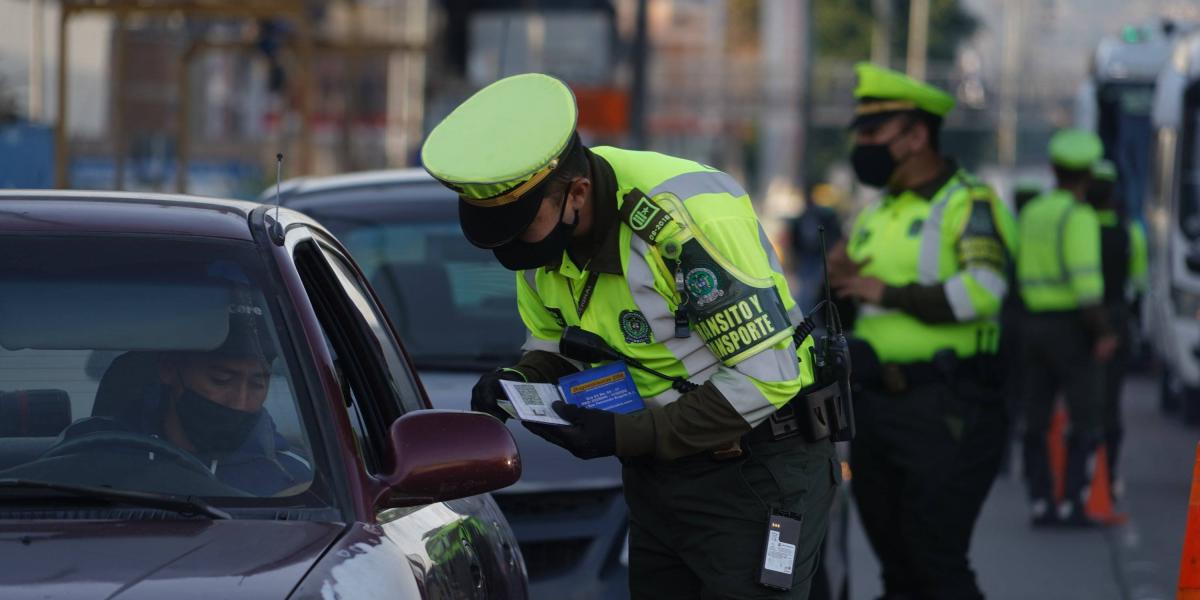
[585,297]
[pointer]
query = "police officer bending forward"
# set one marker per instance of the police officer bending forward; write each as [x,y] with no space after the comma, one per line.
[665,260]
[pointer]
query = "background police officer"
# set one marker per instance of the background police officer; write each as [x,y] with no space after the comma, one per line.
[928,264]
[665,260]
[1066,335]
[1123,266]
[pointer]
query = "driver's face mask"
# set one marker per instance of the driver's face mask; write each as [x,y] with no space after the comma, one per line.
[213,428]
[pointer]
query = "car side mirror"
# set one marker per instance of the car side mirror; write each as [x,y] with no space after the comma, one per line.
[447,454]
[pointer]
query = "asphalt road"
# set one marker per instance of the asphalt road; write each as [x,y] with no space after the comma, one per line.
[1138,561]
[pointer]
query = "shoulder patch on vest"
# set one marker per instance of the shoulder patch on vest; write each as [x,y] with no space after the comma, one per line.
[635,327]
[643,216]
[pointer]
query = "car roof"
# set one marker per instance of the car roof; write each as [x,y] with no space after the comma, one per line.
[386,178]
[63,211]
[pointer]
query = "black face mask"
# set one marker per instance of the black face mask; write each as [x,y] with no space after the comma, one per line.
[518,256]
[215,429]
[873,163]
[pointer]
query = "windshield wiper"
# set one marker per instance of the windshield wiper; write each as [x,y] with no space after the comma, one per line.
[184,505]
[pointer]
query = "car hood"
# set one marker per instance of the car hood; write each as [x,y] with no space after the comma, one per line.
[159,559]
[544,466]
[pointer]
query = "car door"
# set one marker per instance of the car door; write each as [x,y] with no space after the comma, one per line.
[456,549]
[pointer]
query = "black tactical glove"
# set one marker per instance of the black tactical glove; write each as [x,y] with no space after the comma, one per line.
[487,391]
[592,433]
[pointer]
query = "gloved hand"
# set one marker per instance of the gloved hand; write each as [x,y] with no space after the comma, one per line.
[487,390]
[592,433]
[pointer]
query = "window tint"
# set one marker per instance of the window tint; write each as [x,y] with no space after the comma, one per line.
[1189,171]
[147,364]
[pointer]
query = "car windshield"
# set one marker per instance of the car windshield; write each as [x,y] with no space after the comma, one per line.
[149,365]
[454,306]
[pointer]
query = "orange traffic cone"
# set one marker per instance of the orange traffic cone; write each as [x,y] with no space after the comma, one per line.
[1189,565]
[1100,506]
[1056,450]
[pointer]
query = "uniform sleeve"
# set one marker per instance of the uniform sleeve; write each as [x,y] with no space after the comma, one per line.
[748,386]
[1138,260]
[541,361]
[983,249]
[1081,255]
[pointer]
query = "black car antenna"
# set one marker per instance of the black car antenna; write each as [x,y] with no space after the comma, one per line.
[275,229]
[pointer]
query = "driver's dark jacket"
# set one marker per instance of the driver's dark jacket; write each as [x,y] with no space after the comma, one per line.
[263,466]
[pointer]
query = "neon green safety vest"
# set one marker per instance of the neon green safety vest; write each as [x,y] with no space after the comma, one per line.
[1059,263]
[960,239]
[740,309]
[1139,261]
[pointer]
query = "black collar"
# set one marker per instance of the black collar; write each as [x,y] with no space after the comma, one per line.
[600,251]
[931,187]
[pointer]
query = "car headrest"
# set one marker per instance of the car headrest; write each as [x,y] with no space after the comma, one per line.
[124,383]
[34,413]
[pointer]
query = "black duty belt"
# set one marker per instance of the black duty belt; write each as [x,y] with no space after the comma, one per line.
[898,378]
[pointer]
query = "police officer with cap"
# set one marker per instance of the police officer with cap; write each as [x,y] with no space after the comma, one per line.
[665,260]
[928,266]
[1066,336]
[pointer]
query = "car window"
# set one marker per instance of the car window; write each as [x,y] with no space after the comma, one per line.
[371,393]
[453,305]
[1189,172]
[146,364]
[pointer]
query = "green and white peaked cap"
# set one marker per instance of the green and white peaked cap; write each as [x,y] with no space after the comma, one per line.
[497,147]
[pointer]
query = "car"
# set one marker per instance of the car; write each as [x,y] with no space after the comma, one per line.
[202,398]
[455,308]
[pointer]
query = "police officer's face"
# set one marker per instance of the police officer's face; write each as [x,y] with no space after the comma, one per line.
[237,383]
[552,212]
[897,133]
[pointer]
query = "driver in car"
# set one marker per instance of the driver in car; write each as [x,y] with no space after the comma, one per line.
[210,403]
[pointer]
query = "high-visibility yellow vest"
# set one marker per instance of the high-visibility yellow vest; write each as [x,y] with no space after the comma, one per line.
[928,241]
[1058,265]
[745,348]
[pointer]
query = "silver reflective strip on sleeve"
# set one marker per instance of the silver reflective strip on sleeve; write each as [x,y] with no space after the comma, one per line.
[959,299]
[874,310]
[535,343]
[772,257]
[990,280]
[931,237]
[772,365]
[691,350]
[795,314]
[686,185]
[531,278]
[743,395]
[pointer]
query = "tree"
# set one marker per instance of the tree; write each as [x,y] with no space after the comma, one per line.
[842,29]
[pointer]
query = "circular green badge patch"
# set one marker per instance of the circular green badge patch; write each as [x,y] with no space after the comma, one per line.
[702,285]
[635,327]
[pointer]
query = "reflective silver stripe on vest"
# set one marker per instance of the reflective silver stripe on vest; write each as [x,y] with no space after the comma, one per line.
[743,395]
[536,343]
[959,299]
[771,365]
[931,235]
[686,185]
[988,279]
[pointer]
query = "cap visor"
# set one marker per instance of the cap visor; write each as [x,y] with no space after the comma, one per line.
[496,226]
[873,120]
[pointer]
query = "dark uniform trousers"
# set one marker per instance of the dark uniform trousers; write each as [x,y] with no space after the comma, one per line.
[923,462]
[1056,355]
[1114,379]
[698,526]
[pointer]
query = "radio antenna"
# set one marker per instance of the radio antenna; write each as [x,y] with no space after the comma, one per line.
[831,322]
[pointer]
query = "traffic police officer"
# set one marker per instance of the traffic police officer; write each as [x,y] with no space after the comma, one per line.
[928,264]
[664,259]
[1066,334]
[1123,266]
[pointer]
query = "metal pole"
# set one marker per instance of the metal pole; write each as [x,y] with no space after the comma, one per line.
[881,32]
[37,58]
[117,100]
[637,92]
[61,156]
[918,37]
[182,123]
[1006,133]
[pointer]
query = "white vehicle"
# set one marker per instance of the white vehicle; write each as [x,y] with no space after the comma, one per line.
[1172,308]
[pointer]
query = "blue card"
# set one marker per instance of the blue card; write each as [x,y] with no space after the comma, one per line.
[609,387]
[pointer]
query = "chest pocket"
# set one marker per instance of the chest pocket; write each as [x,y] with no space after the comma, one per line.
[914,228]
